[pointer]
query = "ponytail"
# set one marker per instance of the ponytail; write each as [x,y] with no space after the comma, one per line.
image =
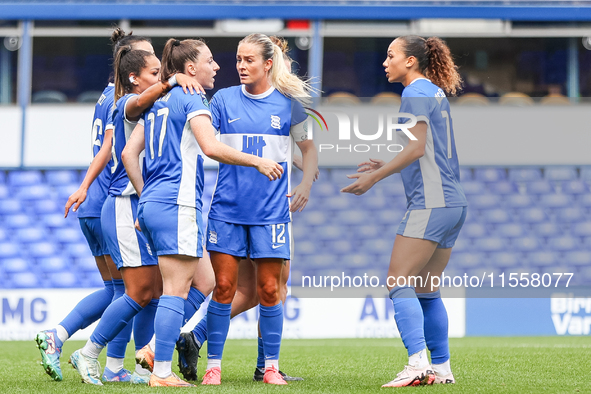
[434,60]
[127,61]
[281,77]
[176,53]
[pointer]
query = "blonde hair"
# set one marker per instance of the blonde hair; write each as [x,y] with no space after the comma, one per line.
[282,79]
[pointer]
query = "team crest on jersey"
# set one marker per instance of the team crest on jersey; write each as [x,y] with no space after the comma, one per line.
[213,237]
[149,249]
[275,122]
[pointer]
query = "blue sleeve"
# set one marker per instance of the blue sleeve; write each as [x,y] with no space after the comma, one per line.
[416,102]
[298,112]
[109,119]
[215,108]
[195,105]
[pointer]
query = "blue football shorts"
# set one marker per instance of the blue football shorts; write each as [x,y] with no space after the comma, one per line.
[441,225]
[172,229]
[128,247]
[93,232]
[255,241]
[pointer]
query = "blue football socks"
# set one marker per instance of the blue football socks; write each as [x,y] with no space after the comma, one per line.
[200,331]
[143,325]
[218,323]
[114,319]
[89,309]
[271,325]
[167,326]
[117,346]
[409,318]
[192,303]
[436,326]
[261,354]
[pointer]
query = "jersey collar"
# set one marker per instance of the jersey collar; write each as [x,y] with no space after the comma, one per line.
[257,96]
[418,79]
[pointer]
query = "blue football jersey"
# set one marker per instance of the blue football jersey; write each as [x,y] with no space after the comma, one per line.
[174,160]
[122,129]
[433,181]
[259,125]
[103,120]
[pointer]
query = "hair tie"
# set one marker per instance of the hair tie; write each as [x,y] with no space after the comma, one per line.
[176,43]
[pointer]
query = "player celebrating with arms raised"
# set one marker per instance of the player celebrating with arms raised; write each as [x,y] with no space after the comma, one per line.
[250,216]
[436,203]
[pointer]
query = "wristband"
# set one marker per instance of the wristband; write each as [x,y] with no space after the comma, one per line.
[172,81]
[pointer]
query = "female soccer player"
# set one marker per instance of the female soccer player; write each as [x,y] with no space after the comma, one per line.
[88,201]
[436,203]
[177,128]
[137,86]
[259,117]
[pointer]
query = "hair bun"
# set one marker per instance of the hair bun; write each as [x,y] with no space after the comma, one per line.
[117,35]
[176,43]
[280,42]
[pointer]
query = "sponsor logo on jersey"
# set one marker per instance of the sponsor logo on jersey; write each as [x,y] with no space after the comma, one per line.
[213,237]
[275,122]
[253,145]
[204,99]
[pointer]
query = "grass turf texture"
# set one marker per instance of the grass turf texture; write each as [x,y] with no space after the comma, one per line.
[493,365]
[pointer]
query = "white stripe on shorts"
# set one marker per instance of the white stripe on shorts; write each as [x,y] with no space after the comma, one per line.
[187,231]
[129,246]
[416,225]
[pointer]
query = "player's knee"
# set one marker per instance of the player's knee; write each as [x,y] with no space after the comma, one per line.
[268,292]
[225,289]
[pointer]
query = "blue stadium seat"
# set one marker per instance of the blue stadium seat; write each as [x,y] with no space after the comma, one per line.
[3,234]
[505,259]
[305,247]
[310,217]
[337,247]
[585,174]
[65,191]
[543,258]
[86,263]
[571,215]
[490,174]
[17,221]
[34,192]
[510,230]
[353,217]
[31,234]
[14,265]
[463,243]
[54,220]
[474,230]
[338,176]
[60,178]
[574,187]
[9,249]
[393,187]
[582,229]
[491,244]
[533,215]
[485,201]
[25,280]
[338,202]
[547,229]
[555,201]
[518,201]
[526,244]
[46,206]
[390,217]
[563,244]
[77,250]
[584,200]
[377,246]
[466,174]
[323,189]
[503,188]
[466,260]
[2,177]
[24,178]
[367,231]
[68,235]
[578,258]
[10,206]
[63,279]
[539,188]
[525,174]
[496,216]
[473,188]
[53,264]
[3,191]
[562,173]
[42,249]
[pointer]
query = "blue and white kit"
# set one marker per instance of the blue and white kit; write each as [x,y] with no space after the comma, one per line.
[89,212]
[261,125]
[128,247]
[435,199]
[170,205]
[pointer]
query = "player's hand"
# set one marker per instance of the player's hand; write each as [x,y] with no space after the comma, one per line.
[188,83]
[370,166]
[137,225]
[363,183]
[75,199]
[299,197]
[269,168]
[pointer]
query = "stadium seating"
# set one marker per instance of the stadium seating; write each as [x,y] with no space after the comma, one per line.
[523,218]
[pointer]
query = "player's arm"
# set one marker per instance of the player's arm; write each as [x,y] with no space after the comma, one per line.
[216,150]
[97,165]
[412,152]
[138,104]
[297,163]
[301,193]
[131,157]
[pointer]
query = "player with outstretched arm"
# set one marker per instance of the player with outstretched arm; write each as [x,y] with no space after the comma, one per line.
[436,206]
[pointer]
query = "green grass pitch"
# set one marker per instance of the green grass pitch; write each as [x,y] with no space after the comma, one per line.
[487,365]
